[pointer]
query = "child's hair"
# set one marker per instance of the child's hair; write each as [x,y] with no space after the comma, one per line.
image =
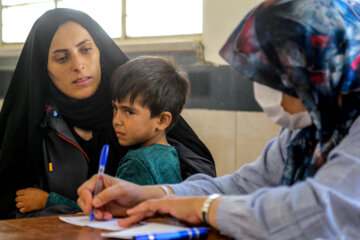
[158,82]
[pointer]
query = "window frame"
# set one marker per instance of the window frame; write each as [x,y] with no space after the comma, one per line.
[189,42]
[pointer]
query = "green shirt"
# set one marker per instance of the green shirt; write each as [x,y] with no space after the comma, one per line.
[155,164]
[57,199]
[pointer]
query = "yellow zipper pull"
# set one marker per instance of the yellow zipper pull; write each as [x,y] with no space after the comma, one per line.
[50,167]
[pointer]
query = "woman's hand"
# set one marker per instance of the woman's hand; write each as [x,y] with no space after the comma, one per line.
[188,209]
[115,198]
[30,199]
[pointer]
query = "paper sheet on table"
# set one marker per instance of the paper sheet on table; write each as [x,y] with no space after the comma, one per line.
[147,228]
[85,221]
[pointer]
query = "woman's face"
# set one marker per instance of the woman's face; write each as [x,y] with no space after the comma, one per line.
[74,61]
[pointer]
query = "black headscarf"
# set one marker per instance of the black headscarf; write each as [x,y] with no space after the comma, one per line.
[22,111]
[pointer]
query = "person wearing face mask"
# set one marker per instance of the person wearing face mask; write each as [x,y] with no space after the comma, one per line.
[303,57]
[281,108]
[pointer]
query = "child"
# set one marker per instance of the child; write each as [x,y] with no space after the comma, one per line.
[148,95]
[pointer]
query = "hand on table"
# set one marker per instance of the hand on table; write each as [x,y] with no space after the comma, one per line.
[115,198]
[30,199]
[184,208]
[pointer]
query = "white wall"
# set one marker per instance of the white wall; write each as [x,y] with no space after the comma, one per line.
[234,138]
[220,19]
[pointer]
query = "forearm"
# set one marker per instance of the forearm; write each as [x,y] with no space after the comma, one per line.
[57,199]
[238,183]
[199,184]
[153,192]
[303,211]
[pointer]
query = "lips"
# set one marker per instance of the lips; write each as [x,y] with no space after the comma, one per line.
[82,80]
[120,134]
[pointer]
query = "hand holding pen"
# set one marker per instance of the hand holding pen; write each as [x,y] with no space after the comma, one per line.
[102,164]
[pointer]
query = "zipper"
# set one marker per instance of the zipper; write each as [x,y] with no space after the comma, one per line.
[48,158]
[87,158]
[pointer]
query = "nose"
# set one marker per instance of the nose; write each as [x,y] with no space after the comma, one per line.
[77,64]
[117,121]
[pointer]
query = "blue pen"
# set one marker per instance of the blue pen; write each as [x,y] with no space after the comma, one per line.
[192,233]
[102,163]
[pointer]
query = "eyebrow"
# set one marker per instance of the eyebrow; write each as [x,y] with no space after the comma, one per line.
[82,42]
[129,108]
[77,45]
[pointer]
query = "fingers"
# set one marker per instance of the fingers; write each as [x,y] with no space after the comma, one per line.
[30,192]
[20,198]
[85,201]
[144,210]
[98,214]
[107,195]
[115,209]
[107,216]
[128,221]
[150,205]
[20,201]
[23,210]
[21,204]
[112,201]
[25,191]
[85,192]
[20,192]
[103,215]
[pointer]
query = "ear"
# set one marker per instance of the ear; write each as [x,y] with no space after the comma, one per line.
[164,121]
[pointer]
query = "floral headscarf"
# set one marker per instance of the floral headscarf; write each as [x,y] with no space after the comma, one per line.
[309,49]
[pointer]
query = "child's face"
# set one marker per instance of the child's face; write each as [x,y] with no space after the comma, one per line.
[133,123]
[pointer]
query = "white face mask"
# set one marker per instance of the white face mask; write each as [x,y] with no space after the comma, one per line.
[270,101]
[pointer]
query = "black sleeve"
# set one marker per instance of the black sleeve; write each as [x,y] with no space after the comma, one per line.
[7,203]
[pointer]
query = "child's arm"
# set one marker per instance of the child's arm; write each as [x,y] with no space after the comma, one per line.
[30,199]
[57,199]
[34,199]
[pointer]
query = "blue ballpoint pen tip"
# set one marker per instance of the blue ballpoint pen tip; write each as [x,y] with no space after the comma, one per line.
[92,216]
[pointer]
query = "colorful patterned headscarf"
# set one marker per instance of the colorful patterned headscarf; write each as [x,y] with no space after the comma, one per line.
[309,49]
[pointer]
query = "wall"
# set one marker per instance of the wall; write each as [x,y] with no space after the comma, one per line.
[233,137]
[220,19]
[221,108]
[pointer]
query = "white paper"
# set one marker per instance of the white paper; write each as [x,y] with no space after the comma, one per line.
[147,228]
[85,221]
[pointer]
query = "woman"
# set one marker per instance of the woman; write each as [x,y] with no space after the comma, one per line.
[57,115]
[303,58]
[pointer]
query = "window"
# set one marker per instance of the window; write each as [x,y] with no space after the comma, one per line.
[167,17]
[144,18]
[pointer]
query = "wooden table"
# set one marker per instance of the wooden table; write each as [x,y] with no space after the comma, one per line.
[53,228]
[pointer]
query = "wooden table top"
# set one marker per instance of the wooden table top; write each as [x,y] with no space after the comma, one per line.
[42,228]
